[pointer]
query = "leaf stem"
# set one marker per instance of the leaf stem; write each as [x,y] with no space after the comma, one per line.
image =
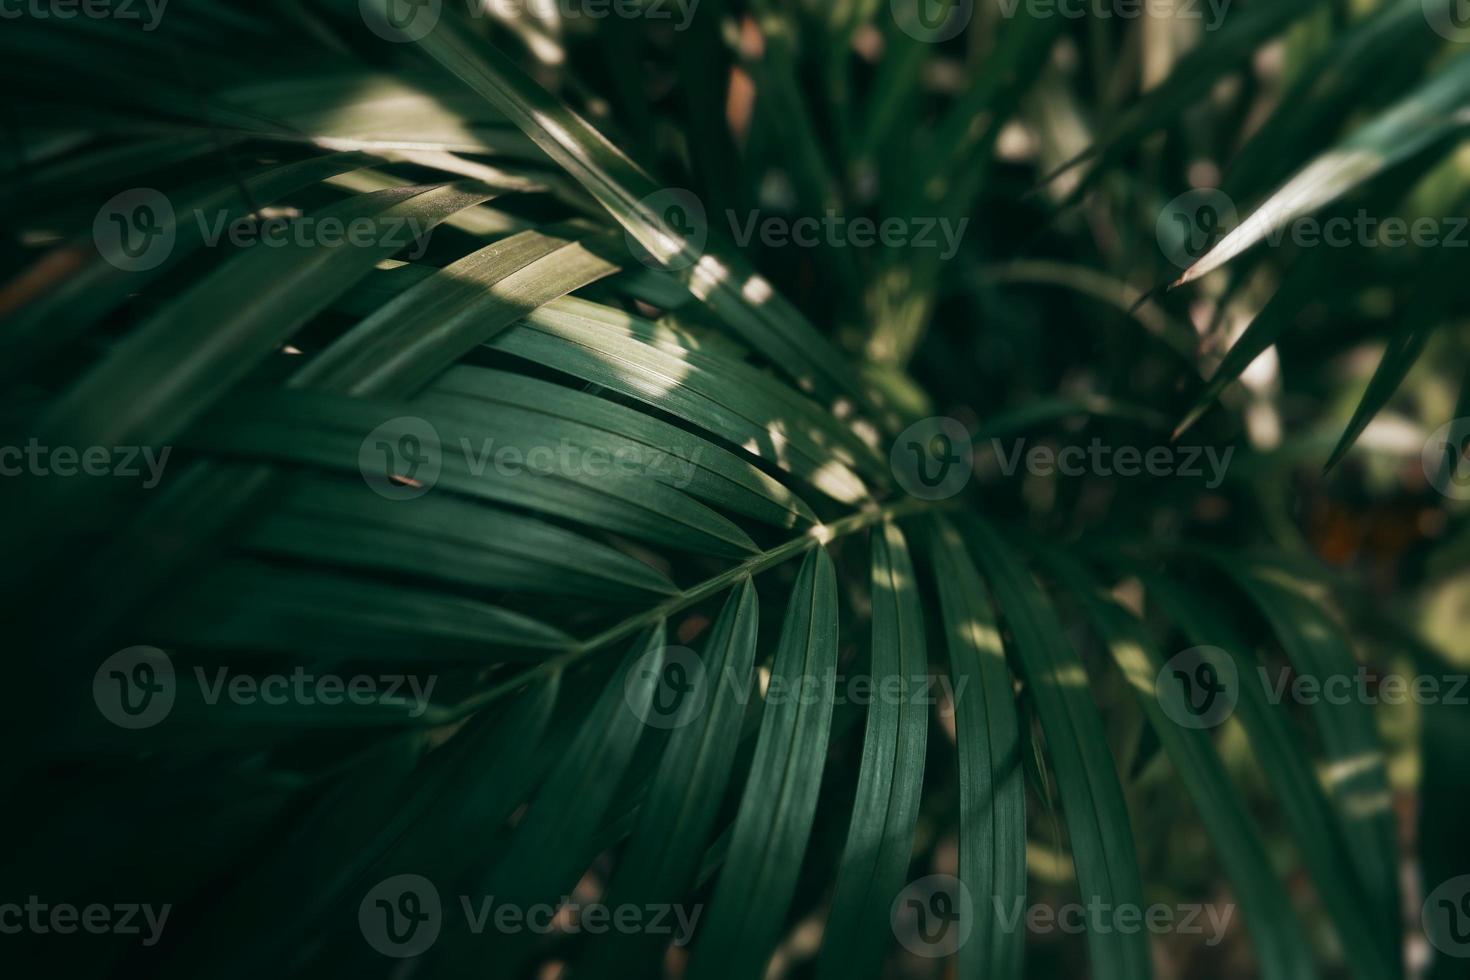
[819,534]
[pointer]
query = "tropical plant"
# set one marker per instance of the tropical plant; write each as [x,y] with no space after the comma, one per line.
[627,490]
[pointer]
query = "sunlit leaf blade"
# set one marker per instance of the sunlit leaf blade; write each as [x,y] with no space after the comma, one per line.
[1091,797]
[667,453]
[1434,112]
[755,886]
[741,298]
[1355,68]
[723,396]
[409,339]
[374,110]
[992,779]
[880,838]
[1275,931]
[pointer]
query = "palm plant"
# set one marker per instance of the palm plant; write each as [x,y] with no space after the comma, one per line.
[616,486]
